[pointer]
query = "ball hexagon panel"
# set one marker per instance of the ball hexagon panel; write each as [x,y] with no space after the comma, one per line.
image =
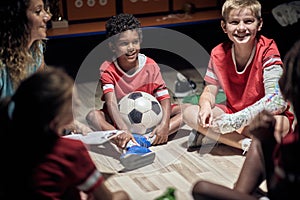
[126,106]
[142,104]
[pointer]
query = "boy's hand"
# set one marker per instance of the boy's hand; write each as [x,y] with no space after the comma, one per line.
[161,133]
[205,116]
[122,139]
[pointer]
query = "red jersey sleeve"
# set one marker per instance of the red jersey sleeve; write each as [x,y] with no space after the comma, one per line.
[67,169]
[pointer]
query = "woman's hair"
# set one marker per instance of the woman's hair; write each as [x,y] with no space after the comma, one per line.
[289,81]
[230,5]
[122,22]
[15,35]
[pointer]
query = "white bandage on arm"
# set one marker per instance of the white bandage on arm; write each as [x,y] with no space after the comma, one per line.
[273,102]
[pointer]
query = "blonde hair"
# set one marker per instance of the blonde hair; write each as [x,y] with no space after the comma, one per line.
[230,5]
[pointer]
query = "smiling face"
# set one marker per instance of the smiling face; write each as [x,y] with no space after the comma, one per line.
[37,20]
[241,26]
[126,47]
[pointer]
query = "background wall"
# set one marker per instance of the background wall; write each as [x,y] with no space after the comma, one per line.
[69,53]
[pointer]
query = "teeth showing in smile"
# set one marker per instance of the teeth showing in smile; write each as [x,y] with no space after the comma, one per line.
[241,36]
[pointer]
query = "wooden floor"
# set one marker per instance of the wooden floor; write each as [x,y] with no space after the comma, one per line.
[173,166]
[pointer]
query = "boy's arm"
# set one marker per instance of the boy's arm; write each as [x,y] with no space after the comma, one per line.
[206,104]
[113,111]
[208,96]
[162,130]
[273,102]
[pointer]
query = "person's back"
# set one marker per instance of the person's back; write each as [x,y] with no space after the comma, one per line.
[54,167]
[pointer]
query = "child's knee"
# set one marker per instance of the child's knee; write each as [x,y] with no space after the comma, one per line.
[95,115]
[91,115]
[190,114]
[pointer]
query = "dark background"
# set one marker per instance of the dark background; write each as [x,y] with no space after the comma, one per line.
[69,52]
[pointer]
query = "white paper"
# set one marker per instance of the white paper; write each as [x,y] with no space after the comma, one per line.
[97,137]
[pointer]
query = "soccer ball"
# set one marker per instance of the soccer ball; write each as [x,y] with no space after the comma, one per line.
[140,111]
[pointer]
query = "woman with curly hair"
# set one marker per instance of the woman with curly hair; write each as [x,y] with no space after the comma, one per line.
[23,27]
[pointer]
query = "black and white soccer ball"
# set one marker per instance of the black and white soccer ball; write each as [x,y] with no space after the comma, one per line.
[141,112]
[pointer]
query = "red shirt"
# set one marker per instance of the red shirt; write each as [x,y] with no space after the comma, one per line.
[147,78]
[65,169]
[242,89]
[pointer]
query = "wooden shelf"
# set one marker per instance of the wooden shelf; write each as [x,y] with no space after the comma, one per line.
[94,28]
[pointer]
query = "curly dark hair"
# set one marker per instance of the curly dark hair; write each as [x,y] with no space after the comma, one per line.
[15,34]
[122,22]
